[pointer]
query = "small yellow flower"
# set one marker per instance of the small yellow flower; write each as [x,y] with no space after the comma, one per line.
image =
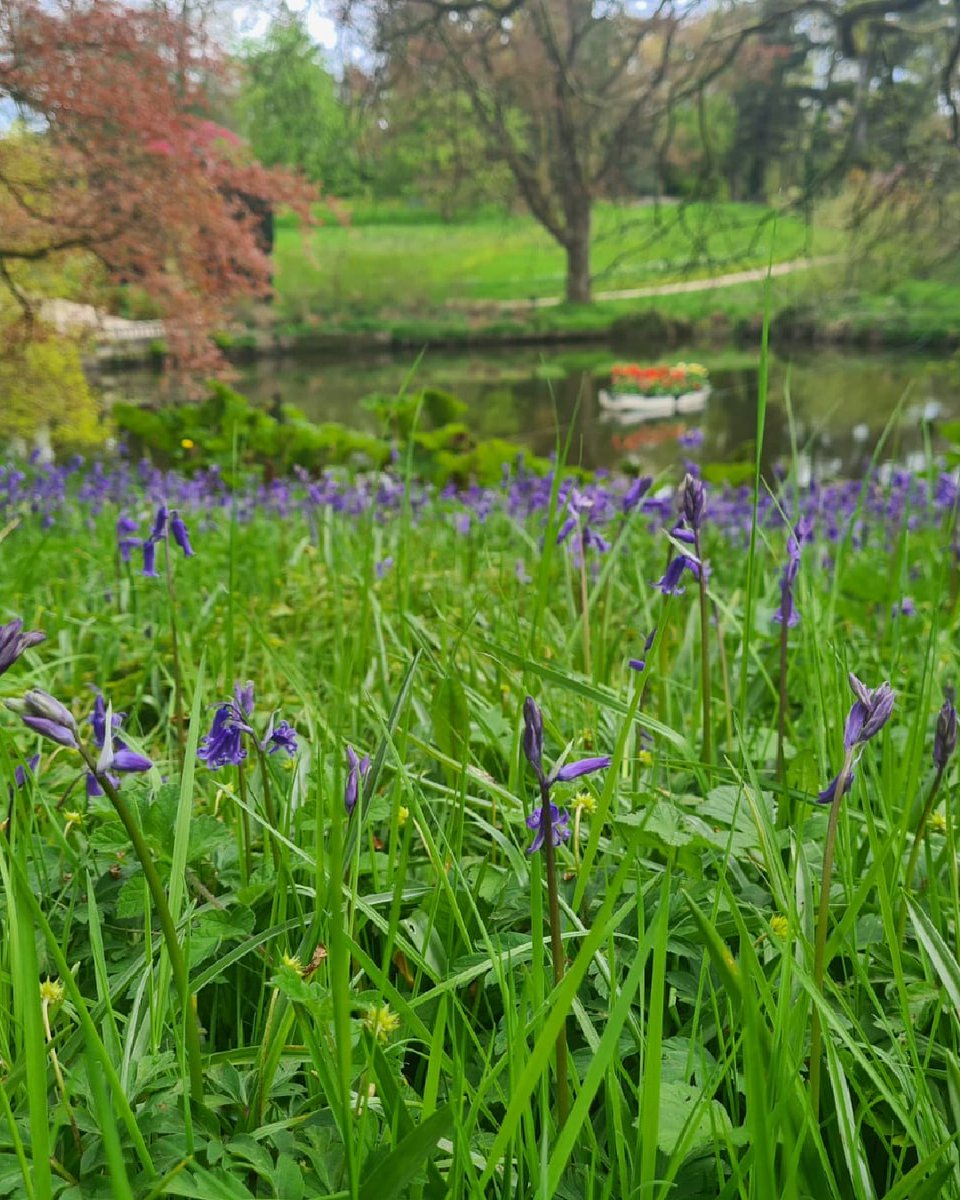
[51,992]
[780,925]
[186,443]
[938,822]
[645,758]
[585,802]
[381,1022]
[74,820]
[292,962]
[403,814]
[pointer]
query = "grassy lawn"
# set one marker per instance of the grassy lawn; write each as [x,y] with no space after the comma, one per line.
[397,261]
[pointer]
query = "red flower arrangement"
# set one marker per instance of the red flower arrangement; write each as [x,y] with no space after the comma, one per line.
[632,379]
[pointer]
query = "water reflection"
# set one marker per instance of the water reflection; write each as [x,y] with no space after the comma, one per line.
[831,411]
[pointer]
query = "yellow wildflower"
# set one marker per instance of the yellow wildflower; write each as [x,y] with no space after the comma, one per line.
[292,962]
[402,815]
[938,822]
[51,992]
[381,1022]
[74,819]
[645,758]
[186,443]
[780,925]
[585,803]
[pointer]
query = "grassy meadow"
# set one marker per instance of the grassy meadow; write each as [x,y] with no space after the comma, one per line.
[330,968]
[373,261]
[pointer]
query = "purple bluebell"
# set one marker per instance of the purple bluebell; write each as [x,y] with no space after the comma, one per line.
[867,716]
[692,501]
[945,736]
[223,745]
[14,642]
[786,613]
[669,584]
[159,524]
[635,493]
[116,758]
[639,664]
[45,715]
[558,824]
[280,737]
[691,439]
[357,769]
[21,772]
[906,608]
[178,532]
[150,558]
[532,742]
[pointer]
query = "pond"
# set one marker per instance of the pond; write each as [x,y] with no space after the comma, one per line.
[835,410]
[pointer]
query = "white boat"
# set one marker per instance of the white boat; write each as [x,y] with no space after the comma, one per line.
[647,408]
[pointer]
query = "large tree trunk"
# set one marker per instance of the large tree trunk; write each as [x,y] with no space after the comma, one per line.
[577,246]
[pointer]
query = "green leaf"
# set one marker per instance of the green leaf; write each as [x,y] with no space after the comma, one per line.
[689,1116]
[392,1174]
[944,964]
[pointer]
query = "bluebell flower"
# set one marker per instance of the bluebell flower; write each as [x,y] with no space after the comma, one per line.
[44,714]
[559,825]
[357,769]
[692,500]
[116,757]
[280,737]
[867,716]
[178,531]
[635,493]
[639,664]
[786,613]
[223,745]
[21,772]
[150,558]
[14,642]
[669,583]
[532,742]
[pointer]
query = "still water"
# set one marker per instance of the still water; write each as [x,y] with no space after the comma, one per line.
[834,410]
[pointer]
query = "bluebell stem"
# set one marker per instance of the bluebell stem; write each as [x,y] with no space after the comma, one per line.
[14,642]
[552,827]
[47,716]
[867,716]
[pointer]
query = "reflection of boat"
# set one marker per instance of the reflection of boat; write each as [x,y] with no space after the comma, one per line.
[638,407]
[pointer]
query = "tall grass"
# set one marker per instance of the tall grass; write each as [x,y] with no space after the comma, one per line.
[377,1010]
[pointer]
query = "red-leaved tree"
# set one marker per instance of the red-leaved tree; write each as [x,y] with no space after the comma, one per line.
[115,158]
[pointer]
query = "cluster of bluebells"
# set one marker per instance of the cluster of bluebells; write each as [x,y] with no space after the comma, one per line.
[549,823]
[226,743]
[166,524]
[869,511]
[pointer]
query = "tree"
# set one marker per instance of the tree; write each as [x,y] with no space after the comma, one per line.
[116,160]
[290,108]
[564,91]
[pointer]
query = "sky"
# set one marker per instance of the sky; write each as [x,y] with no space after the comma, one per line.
[251,21]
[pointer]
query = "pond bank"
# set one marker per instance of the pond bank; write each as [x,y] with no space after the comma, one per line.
[646,331]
